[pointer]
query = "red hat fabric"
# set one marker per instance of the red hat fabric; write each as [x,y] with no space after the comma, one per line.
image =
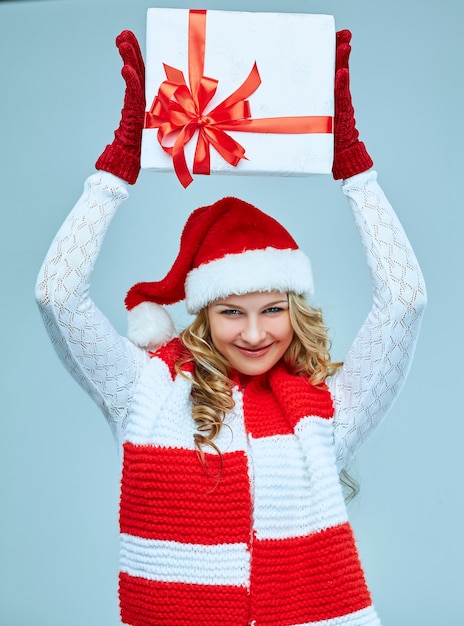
[229,247]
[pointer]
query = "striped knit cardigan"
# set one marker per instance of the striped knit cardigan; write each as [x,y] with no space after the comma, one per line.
[269,543]
[263,538]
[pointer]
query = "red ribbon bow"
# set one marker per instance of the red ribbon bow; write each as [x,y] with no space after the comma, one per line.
[178,111]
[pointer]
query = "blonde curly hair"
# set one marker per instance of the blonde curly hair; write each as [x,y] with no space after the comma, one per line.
[308,354]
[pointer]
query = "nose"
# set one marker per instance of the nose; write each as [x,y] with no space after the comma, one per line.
[253,332]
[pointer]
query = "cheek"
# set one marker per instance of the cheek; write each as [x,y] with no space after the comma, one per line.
[222,331]
[283,330]
[287,340]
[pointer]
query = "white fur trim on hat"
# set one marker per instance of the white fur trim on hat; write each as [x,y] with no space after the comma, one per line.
[150,325]
[253,270]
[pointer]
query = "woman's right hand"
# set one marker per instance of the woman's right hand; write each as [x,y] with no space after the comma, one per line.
[122,157]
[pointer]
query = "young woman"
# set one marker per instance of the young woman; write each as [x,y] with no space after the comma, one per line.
[233,435]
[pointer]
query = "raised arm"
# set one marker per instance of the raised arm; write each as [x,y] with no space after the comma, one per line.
[101,361]
[380,357]
[105,364]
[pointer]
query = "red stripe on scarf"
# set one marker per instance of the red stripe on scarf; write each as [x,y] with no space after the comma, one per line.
[274,403]
[167,494]
[150,603]
[173,352]
[307,579]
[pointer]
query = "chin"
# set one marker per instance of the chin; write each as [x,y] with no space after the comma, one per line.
[254,369]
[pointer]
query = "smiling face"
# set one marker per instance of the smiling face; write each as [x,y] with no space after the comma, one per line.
[251,331]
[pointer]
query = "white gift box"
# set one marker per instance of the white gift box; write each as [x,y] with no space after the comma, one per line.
[295,58]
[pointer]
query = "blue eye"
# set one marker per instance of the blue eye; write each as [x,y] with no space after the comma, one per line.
[230,312]
[273,309]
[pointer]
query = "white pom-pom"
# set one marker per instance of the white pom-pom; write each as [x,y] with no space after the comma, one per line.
[150,326]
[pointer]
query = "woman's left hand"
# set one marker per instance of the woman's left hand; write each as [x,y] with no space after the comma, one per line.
[350,154]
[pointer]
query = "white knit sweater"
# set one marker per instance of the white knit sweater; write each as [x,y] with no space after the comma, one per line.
[135,391]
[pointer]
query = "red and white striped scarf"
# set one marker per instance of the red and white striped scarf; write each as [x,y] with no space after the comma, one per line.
[269,543]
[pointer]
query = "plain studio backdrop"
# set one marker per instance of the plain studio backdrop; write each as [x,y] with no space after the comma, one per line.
[60,97]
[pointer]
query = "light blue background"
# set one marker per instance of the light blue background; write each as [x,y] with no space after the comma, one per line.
[60,97]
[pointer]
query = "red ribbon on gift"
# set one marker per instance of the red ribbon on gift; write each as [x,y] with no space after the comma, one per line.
[179,111]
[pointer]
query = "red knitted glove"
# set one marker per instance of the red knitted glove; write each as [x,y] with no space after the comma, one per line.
[122,157]
[350,154]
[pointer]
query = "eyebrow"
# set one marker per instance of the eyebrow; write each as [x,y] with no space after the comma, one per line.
[232,305]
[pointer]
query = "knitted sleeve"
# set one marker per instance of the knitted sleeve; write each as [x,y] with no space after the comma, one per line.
[379,359]
[105,364]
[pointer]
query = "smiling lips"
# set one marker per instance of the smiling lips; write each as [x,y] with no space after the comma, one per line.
[254,353]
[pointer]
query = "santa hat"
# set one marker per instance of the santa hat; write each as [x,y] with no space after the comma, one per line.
[229,247]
